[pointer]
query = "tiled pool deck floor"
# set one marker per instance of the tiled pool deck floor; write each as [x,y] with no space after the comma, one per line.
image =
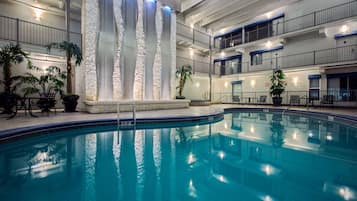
[25,121]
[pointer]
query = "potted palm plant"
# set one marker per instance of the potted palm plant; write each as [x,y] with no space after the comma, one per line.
[46,86]
[10,55]
[183,74]
[277,86]
[70,100]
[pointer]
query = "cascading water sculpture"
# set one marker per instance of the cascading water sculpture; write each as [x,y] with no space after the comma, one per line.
[105,50]
[166,55]
[128,53]
[150,44]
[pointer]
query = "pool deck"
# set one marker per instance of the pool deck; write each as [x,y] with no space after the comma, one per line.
[22,121]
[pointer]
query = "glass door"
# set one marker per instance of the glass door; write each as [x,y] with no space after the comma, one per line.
[236,91]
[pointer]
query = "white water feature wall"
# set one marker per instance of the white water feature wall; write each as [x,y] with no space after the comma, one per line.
[129,50]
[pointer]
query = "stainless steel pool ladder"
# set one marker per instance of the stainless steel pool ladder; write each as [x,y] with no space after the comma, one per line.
[133,106]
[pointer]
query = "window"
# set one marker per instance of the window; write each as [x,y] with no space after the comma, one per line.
[314,89]
[257,59]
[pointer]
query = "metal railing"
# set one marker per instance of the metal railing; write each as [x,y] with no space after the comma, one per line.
[283,26]
[317,57]
[20,31]
[197,66]
[333,97]
[194,36]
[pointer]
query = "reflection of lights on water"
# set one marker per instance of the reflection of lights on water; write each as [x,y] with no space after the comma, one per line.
[221,178]
[221,154]
[267,198]
[191,158]
[346,193]
[42,156]
[329,137]
[310,134]
[231,143]
[192,190]
[191,183]
[225,125]
[267,170]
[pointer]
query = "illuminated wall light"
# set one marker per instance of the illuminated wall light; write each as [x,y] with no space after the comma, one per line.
[38,14]
[192,52]
[198,84]
[268,15]
[295,81]
[192,26]
[223,54]
[252,83]
[268,44]
[225,125]
[329,138]
[197,126]
[295,135]
[252,130]
[344,29]
[226,84]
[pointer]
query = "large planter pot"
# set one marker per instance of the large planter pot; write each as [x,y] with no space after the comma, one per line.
[180,97]
[70,102]
[277,101]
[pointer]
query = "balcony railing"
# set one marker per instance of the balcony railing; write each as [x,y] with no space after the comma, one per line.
[197,66]
[333,97]
[194,36]
[316,18]
[20,31]
[318,57]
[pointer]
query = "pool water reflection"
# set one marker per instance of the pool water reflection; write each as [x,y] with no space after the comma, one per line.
[247,156]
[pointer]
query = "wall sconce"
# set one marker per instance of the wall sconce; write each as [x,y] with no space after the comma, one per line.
[268,15]
[38,14]
[191,52]
[226,84]
[252,130]
[295,81]
[198,84]
[252,83]
[268,44]
[223,54]
[344,29]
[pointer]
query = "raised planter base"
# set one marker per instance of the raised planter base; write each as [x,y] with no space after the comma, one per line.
[97,107]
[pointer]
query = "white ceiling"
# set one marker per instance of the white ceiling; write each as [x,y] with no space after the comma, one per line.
[223,14]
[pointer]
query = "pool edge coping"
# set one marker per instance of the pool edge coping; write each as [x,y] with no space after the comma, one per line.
[14,133]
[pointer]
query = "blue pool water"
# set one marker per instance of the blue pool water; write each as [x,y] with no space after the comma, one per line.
[247,156]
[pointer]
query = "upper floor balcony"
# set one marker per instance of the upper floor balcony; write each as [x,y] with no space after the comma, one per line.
[192,37]
[332,56]
[279,25]
[28,33]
